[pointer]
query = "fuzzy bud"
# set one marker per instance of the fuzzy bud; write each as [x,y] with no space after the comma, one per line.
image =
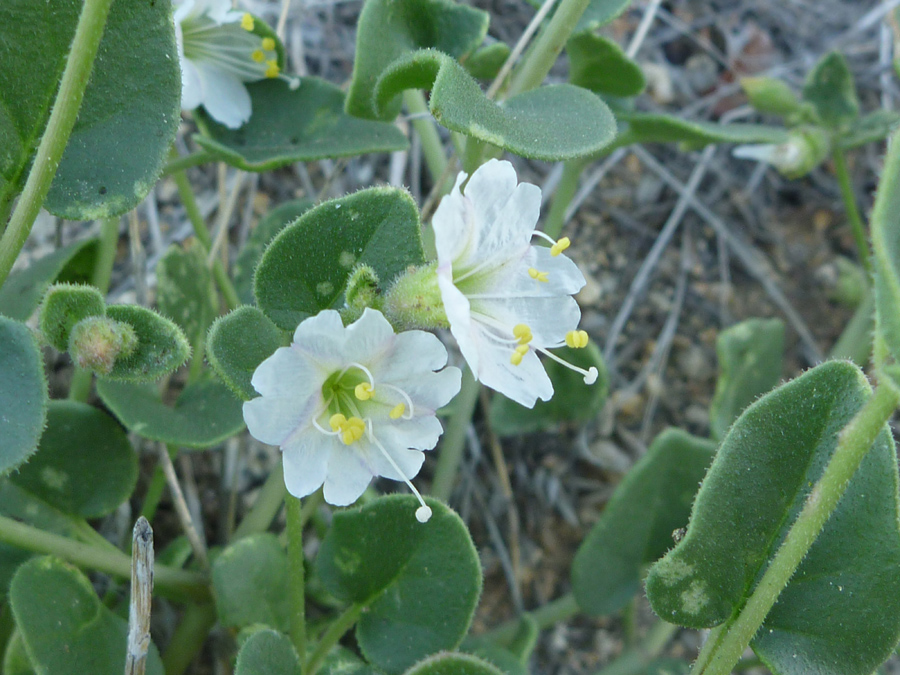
[97,341]
[414,301]
[362,289]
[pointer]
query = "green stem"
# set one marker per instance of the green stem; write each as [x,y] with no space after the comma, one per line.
[188,638]
[451,451]
[332,636]
[154,494]
[296,575]
[856,222]
[179,584]
[635,661]
[545,616]
[541,56]
[180,163]
[853,444]
[267,505]
[186,194]
[565,192]
[424,124]
[59,127]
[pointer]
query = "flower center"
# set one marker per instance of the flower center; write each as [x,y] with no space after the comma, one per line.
[575,339]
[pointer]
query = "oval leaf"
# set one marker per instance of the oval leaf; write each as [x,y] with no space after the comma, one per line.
[65,305]
[296,125]
[267,653]
[65,627]
[830,89]
[454,664]
[184,290]
[84,465]
[637,524]
[205,414]
[23,394]
[419,581]
[599,64]
[238,342]
[654,128]
[161,346]
[599,13]
[840,613]
[304,270]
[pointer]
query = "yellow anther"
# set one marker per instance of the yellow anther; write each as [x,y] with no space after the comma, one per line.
[536,275]
[258,56]
[522,333]
[247,21]
[577,339]
[560,246]
[397,411]
[364,391]
[337,421]
[522,349]
[272,70]
[516,358]
[268,44]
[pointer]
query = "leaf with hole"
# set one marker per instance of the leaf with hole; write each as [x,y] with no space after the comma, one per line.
[840,612]
[305,268]
[636,525]
[237,343]
[295,125]
[554,122]
[65,627]
[750,355]
[419,581]
[204,414]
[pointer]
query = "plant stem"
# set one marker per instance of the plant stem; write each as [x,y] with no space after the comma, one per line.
[186,194]
[180,163]
[74,81]
[451,452]
[855,342]
[545,616]
[267,505]
[424,124]
[541,56]
[635,660]
[856,222]
[565,191]
[189,637]
[296,572]
[853,443]
[179,584]
[332,635]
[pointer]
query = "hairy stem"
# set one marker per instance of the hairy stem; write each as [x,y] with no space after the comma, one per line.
[332,636]
[451,450]
[856,222]
[296,572]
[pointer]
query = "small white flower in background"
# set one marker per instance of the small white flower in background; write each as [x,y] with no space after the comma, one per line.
[504,298]
[219,53]
[803,151]
[785,156]
[346,404]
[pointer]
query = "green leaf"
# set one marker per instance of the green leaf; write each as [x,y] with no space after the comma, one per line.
[249,579]
[552,123]
[130,111]
[342,661]
[237,343]
[305,269]
[770,95]
[84,465]
[295,125]
[637,525]
[270,225]
[419,581]
[840,613]
[388,29]
[869,128]
[65,627]
[830,89]
[499,657]
[21,294]
[161,347]
[267,653]
[885,229]
[599,13]
[65,305]
[599,64]
[750,355]
[15,658]
[454,664]
[573,400]
[486,62]
[23,396]
[205,413]
[654,128]
[184,291]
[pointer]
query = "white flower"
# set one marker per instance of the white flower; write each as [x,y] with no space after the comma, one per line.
[347,404]
[218,53]
[505,298]
[786,156]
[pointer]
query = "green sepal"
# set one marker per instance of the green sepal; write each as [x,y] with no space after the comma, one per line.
[771,95]
[65,305]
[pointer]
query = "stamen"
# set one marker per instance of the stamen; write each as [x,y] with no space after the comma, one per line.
[337,422]
[536,275]
[268,44]
[522,332]
[258,56]
[247,22]
[576,339]
[272,70]
[516,358]
[364,391]
[560,246]
[423,513]
[590,375]
[397,411]
[409,403]
[362,368]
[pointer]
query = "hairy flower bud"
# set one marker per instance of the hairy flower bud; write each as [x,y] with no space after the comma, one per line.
[97,341]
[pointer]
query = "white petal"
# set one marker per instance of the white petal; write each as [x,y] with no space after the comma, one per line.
[458,314]
[288,373]
[490,188]
[548,318]
[411,353]
[349,472]
[509,233]
[454,225]
[306,462]
[224,96]
[183,11]
[430,391]
[409,461]
[273,420]
[421,433]
[368,338]
[322,337]
[191,86]
[563,275]
[524,383]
